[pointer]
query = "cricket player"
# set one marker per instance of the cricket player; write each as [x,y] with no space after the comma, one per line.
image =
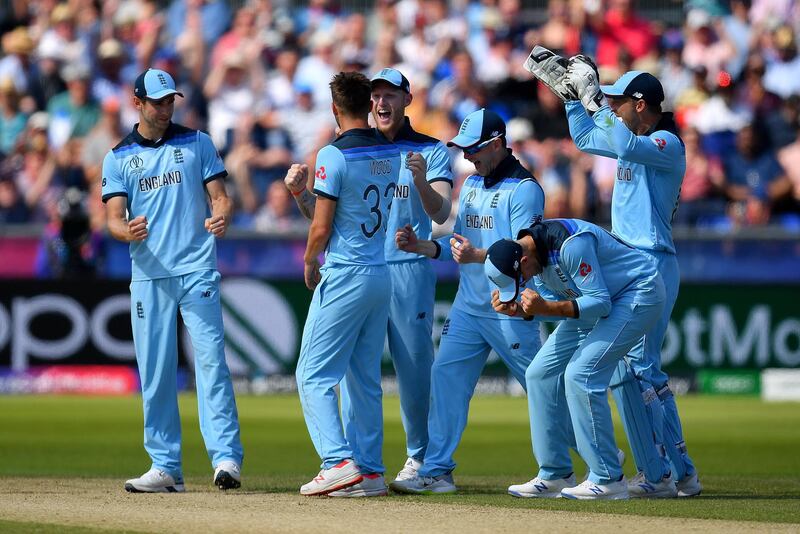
[422,194]
[624,121]
[157,184]
[355,179]
[498,201]
[610,294]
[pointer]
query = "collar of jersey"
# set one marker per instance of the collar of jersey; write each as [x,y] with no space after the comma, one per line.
[405,130]
[666,123]
[501,171]
[170,131]
[357,131]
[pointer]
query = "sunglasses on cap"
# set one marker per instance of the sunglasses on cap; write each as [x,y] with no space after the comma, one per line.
[474,149]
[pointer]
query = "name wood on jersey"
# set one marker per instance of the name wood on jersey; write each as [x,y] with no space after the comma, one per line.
[161,180]
[481,222]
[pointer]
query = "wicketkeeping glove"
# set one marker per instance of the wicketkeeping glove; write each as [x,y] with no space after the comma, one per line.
[583,78]
[551,69]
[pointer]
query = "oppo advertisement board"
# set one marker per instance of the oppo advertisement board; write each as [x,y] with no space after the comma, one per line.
[52,323]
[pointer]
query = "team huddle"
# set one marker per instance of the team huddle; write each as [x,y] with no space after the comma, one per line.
[376,192]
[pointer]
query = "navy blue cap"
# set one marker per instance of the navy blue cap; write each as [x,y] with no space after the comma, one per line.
[154,84]
[393,77]
[636,84]
[477,127]
[502,267]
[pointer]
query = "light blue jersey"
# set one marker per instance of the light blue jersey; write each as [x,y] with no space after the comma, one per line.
[590,267]
[164,181]
[407,205]
[650,171]
[490,209]
[362,177]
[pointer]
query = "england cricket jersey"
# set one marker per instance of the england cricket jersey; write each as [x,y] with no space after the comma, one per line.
[165,181]
[359,170]
[650,171]
[491,208]
[407,205]
[585,264]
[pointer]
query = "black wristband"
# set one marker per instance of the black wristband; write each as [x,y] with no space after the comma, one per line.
[438,249]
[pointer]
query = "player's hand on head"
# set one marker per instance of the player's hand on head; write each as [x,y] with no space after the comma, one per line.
[416,163]
[506,308]
[532,302]
[217,225]
[311,274]
[138,228]
[296,178]
[406,239]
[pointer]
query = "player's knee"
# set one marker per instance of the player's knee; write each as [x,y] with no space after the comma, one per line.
[576,378]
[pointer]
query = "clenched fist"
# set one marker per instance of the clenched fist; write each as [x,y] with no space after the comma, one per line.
[296,179]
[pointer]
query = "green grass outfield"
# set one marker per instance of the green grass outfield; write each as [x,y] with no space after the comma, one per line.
[747,451]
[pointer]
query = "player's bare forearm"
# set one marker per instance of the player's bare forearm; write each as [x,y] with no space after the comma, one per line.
[321,228]
[435,199]
[305,203]
[118,228]
[222,206]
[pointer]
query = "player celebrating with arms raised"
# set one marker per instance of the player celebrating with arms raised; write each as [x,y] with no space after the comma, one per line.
[163,175]
[629,126]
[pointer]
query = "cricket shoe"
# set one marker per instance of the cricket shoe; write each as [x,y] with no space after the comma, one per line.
[426,485]
[372,485]
[227,475]
[689,486]
[640,488]
[542,488]
[154,481]
[588,490]
[410,470]
[340,476]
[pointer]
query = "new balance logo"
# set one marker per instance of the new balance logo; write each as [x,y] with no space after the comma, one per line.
[178,155]
[446,327]
[541,488]
[596,490]
[514,346]
[205,294]
[421,315]
[495,200]
[647,487]
[139,310]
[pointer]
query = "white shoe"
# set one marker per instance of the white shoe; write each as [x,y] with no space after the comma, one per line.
[640,488]
[689,486]
[620,458]
[542,488]
[227,475]
[340,476]
[587,490]
[410,470]
[425,485]
[372,485]
[154,481]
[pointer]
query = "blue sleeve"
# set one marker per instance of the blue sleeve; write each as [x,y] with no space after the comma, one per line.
[113,183]
[588,138]
[439,168]
[660,149]
[579,260]
[445,254]
[330,172]
[527,206]
[210,162]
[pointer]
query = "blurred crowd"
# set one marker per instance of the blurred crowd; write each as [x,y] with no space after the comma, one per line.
[255,76]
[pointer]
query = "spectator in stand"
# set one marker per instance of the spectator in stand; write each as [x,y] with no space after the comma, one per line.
[701,199]
[740,32]
[234,97]
[548,118]
[751,93]
[13,209]
[12,119]
[109,82]
[279,90]
[754,178]
[310,126]
[317,69]
[558,33]
[689,100]
[63,35]
[783,75]
[263,155]
[279,214]
[620,27]
[17,65]
[783,123]
[107,132]
[210,17]
[74,112]
[707,44]
[241,38]
[46,81]
[674,75]
[720,117]
[456,94]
